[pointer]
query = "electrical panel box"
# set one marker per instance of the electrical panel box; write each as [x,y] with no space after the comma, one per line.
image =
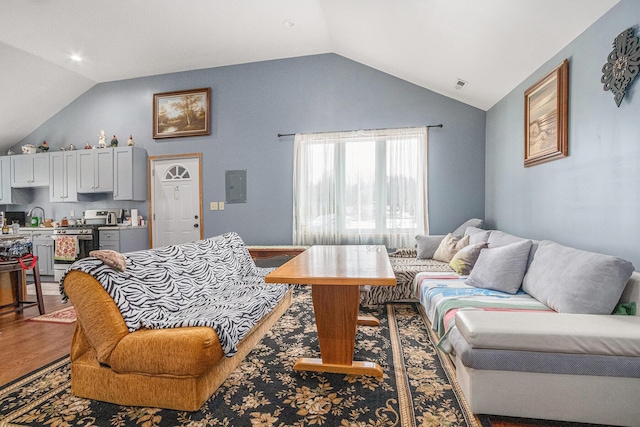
[236,186]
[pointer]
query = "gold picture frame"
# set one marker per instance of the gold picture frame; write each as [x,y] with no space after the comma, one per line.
[546,114]
[182,113]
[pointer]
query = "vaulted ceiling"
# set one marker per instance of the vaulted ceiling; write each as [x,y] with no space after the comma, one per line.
[493,45]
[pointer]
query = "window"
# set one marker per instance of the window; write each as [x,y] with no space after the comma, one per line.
[360,187]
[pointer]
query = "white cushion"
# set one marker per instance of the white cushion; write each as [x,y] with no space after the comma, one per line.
[551,332]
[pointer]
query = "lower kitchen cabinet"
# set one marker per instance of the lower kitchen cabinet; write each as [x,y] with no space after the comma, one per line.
[43,248]
[124,239]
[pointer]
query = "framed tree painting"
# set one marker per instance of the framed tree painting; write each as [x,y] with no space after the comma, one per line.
[546,114]
[183,113]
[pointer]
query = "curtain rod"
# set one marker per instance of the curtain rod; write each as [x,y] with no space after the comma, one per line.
[292,134]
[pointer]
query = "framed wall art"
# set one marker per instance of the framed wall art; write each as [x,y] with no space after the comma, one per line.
[183,113]
[545,117]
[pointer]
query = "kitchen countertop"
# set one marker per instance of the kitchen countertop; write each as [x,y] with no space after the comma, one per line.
[120,227]
[102,227]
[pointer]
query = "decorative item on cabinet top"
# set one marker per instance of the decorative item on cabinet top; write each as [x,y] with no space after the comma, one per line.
[29,149]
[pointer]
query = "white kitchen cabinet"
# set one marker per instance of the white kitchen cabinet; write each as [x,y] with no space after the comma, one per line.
[10,195]
[43,248]
[95,170]
[5,180]
[30,170]
[129,173]
[124,239]
[63,176]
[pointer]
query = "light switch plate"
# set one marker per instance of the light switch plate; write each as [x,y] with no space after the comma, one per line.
[213,206]
[221,204]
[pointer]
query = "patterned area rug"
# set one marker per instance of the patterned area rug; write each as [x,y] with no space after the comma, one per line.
[64,315]
[418,387]
[265,391]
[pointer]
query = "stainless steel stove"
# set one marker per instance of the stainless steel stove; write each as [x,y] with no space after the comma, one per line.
[75,242]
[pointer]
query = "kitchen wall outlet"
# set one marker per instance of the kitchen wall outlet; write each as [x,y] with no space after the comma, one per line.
[213,206]
[73,213]
[221,204]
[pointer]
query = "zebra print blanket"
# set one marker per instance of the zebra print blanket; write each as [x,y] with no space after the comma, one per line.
[212,282]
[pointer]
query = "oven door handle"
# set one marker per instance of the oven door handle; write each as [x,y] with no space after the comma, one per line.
[79,236]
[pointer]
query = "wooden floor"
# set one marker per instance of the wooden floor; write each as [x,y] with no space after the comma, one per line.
[26,346]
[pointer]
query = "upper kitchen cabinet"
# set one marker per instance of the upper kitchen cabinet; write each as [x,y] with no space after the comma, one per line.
[130,173]
[30,170]
[63,176]
[5,177]
[9,195]
[95,170]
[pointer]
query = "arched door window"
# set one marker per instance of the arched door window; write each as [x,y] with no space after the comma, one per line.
[176,173]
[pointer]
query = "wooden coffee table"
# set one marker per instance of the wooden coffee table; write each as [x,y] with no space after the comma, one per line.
[335,274]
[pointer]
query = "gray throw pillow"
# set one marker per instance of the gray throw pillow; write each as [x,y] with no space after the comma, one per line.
[427,245]
[477,235]
[571,280]
[502,268]
[473,222]
[499,238]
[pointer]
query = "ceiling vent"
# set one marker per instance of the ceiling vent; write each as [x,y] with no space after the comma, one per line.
[460,84]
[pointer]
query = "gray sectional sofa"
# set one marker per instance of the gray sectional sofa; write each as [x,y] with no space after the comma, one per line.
[531,330]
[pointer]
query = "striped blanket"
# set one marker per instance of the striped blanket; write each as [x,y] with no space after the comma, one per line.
[211,282]
[442,298]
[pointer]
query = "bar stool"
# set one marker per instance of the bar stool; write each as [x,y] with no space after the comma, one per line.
[21,303]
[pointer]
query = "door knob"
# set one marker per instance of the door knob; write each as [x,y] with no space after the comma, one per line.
[195,217]
[195,225]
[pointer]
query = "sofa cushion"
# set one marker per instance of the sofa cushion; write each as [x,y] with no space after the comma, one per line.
[571,280]
[189,351]
[535,361]
[551,332]
[449,246]
[501,268]
[427,245]
[477,235]
[473,222]
[499,238]
[466,258]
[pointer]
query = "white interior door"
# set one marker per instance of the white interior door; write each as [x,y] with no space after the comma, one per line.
[175,201]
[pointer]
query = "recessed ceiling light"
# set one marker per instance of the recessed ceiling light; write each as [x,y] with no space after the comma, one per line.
[289,23]
[76,58]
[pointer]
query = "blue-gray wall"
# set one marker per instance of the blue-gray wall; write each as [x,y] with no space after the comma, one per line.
[591,199]
[251,104]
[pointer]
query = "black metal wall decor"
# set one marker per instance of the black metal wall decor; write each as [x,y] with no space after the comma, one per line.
[623,64]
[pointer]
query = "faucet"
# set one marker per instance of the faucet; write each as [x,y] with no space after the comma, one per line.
[30,214]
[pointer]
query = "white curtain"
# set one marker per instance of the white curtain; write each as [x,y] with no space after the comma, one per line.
[360,187]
